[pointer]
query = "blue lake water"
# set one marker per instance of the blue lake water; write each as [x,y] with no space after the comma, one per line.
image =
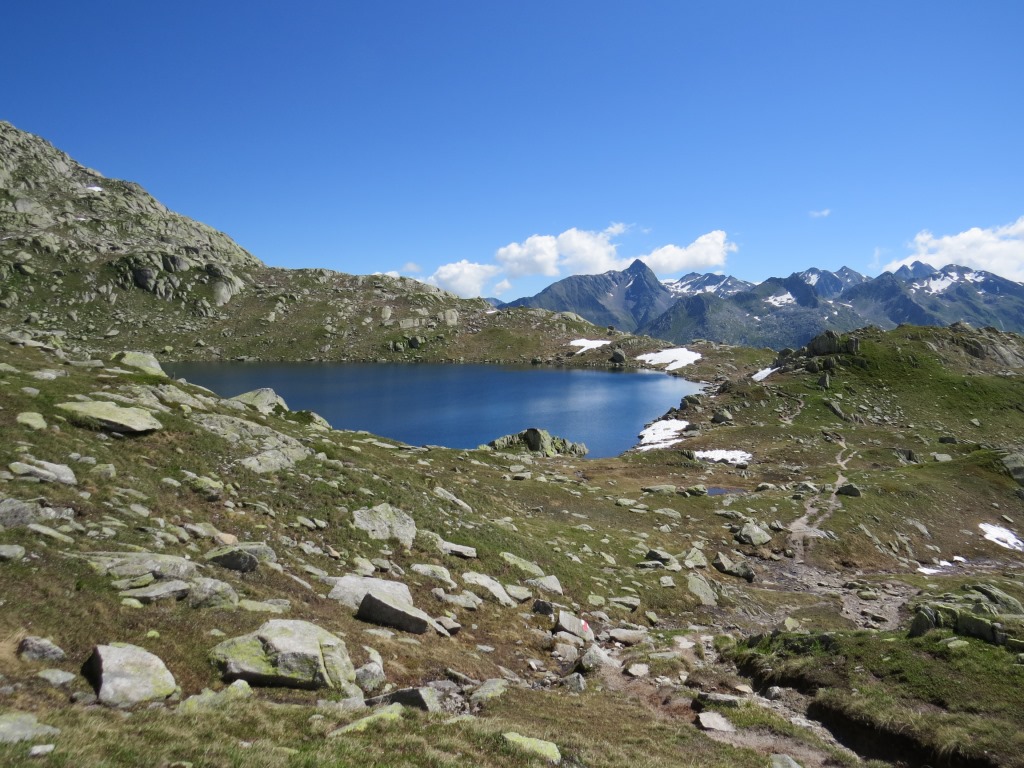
[459,406]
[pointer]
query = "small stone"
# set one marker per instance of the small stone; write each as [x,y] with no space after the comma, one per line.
[545,750]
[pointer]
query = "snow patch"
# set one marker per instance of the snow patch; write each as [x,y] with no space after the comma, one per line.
[94,189]
[763,374]
[928,571]
[671,358]
[588,344]
[811,278]
[731,457]
[662,434]
[782,300]
[1002,536]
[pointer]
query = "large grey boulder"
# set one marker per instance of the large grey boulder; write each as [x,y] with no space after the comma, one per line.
[212,593]
[492,587]
[125,565]
[701,589]
[233,559]
[538,441]
[44,471]
[124,674]
[525,566]
[140,361]
[574,625]
[264,400]
[384,522]
[271,450]
[15,513]
[753,534]
[388,612]
[725,565]
[34,648]
[351,590]
[289,653]
[109,416]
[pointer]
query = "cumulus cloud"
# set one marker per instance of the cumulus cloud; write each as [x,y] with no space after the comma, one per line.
[584,252]
[536,255]
[502,287]
[709,250]
[823,213]
[464,278]
[587,252]
[995,249]
[411,268]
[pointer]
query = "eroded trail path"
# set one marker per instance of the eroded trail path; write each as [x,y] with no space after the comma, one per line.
[667,702]
[816,512]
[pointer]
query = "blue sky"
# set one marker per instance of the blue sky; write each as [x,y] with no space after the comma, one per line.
[494,147]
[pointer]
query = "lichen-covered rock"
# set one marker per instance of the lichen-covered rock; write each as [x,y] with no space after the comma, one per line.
[115,418]
[538,441]
[384,522]
[212,593]
[140,361]
[124,674]
[22,726]
[34,648]
[546,750]
[264,400]
[289,653]
[384,610]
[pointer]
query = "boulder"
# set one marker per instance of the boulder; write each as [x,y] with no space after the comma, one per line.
[388,612]
[487,691]
[574,625]
[145,362]
[740,570]
[44,471]
[753,534]
[436,573]
[384,522]
[538,441]
[233,558]
[34,648]
[21,726]
[104,415]
[525,566]
[549,584]
[124,674]
[545,750]
[174,589]
[31,419]
[265,400]
[492,587]
[212,593]
[701,589]
[351,590]
[209,701]
[288,653]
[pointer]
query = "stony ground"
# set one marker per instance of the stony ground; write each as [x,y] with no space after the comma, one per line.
[189,561]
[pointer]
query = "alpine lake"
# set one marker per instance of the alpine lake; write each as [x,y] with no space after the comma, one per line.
[460,406]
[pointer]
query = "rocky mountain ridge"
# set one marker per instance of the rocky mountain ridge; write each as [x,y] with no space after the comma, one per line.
[99,264]
[787,312]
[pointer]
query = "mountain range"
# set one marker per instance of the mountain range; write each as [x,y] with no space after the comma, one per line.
[784,311]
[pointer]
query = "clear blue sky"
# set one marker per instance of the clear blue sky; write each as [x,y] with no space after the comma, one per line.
[486,143]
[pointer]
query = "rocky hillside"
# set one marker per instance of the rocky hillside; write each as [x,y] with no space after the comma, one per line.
[98,264]
[829,537]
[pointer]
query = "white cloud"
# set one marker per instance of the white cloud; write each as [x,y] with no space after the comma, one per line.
[709,250]
[411,267]
[823,213]
[536,255]
[996,249]
[587,252]
[464,277]
[501,287]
